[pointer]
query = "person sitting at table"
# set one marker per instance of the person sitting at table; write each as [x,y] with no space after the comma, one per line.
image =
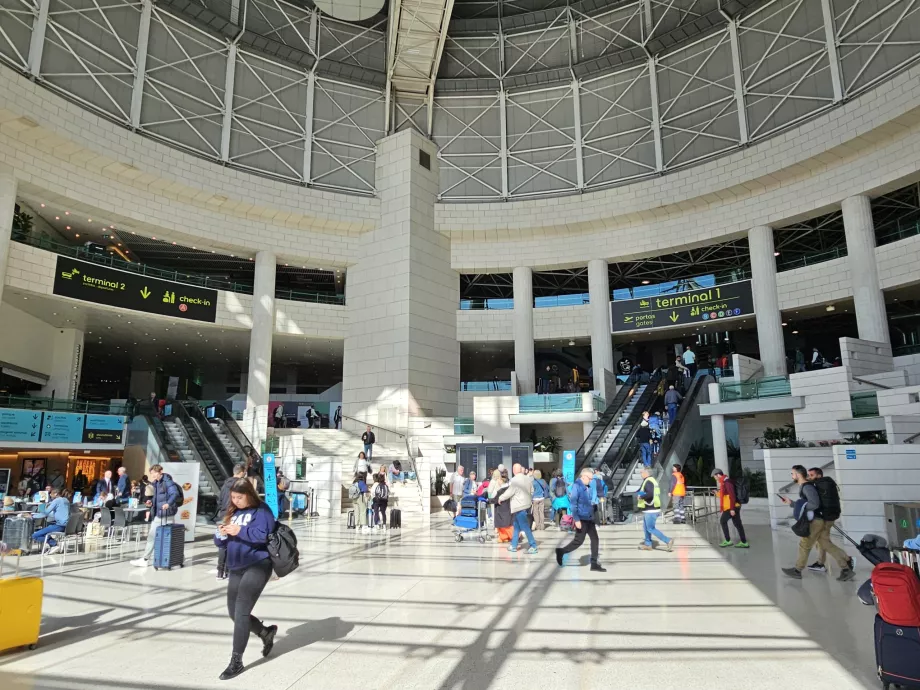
[58,512]
[9,505]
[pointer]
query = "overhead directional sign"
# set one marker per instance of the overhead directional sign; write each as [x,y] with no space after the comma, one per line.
[20,425]
[708,305]
[102,285]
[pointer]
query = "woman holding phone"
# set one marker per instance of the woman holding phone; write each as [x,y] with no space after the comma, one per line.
[244,533]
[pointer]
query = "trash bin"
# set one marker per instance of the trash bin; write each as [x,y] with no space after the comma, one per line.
[902,522]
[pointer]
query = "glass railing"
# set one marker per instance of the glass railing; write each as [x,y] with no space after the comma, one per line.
[463,426]
[62,405]
[561,301]
[906,350]
[557,402]
[485,386]
[864,404]
[677,286]
[599,404]
[767,387]
[477,304]
[113,261]
[898,229]
[810,259]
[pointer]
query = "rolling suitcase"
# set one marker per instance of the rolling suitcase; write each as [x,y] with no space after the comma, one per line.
[897,654]
[20,609]
[169,545]
[350,520]
[17,533]
[395,518]
[370,517]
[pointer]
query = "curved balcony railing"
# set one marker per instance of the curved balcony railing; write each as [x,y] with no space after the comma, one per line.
[490,304]
[898,229]
[810,259]
[112,261]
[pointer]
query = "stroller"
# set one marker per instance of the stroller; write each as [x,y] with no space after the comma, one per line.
[472,518]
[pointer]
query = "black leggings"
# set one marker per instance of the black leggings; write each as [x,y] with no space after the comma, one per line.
[243,592]
[380,511]
[587,528]
[736,520]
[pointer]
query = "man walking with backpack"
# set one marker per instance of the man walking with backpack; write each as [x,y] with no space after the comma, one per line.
[730,505]
[583,512]
[830,498]
[811,507]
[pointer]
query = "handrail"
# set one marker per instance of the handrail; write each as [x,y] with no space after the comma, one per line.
[375,426]
[216,468]
[61,405]
[197,415]
[910,439]
[872,383]
[233,428]
[601,427]
[785,488]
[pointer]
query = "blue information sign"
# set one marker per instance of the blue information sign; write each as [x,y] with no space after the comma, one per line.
[851,453]
[568,466]
[20,425]
[103,428]
[63,427]
[271,484]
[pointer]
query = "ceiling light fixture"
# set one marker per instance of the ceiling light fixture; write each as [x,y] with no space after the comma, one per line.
[830,307]
[795,332]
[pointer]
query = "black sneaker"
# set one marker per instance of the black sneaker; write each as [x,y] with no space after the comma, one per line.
[846,574]
[234,669]
[794,573]
[559,555]
[598,568]
[852,563]
[817,567]
[268,639]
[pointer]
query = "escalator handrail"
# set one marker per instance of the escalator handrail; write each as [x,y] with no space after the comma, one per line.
[159,432]
[630,427]
[197,415]
[669,439]
[601,427]
[233,428]
[212,462]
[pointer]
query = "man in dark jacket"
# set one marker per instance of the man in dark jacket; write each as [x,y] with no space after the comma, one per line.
[671,402]
[368,439]
[826,485]
[167,498]
[583,512]
[810,505]
[644,439]
[122,486]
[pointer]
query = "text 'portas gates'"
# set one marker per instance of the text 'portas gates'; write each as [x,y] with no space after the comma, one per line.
[114,288]
[707,305]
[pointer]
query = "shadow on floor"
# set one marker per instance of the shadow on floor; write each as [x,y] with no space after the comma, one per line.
[304,635]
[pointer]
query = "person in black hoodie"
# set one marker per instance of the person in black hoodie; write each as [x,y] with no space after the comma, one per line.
[223,505]
[244,534]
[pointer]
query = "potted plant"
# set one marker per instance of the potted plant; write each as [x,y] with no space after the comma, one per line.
[546,449]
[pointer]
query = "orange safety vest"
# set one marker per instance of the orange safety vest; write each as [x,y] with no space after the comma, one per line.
[680,488]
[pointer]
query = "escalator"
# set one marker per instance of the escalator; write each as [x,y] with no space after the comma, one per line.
[166,441]
[229,433]
[608,425]
[212,455]
[623,470]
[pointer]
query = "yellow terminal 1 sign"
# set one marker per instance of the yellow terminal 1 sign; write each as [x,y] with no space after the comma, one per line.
[114,288]
[707,305]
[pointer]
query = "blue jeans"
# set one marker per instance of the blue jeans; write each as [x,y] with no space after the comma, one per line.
[648,526]
[672,413]
[522,524]
[39,535]
[368,451]
[398,477]
[646,450]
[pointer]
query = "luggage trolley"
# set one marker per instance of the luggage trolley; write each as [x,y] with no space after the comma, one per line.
[472,518]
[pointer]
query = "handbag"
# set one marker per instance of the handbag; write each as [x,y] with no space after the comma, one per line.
[802,526]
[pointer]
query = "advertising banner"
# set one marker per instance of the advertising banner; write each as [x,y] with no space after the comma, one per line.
[271,484]
[568,466]
[114,288]
[709,305]
[185,474]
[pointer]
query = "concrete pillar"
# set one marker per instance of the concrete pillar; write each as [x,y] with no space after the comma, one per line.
[66,365]
[601,344]
[523,330]
[7,207]
[766,301]
[871,317]
[719,444]
[401,356]
[260,349]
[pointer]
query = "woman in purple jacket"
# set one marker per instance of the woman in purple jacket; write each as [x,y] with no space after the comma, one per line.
[244,533]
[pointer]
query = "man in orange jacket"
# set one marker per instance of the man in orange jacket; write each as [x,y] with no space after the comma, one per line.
[731,510]
[677,492]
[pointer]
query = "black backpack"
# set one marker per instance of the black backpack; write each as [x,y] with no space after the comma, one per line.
[282,549]
[830,498]
[742,492]
[560,487]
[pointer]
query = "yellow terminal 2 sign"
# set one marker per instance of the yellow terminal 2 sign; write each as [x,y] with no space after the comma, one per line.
[114,288]
[707,305]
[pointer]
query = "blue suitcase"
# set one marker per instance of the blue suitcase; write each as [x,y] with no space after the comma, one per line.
[897,654]
[169,546]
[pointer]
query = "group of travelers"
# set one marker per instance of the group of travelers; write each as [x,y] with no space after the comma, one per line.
[371,498]
[815,362]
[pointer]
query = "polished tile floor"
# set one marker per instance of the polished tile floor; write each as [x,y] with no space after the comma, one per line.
[417,610]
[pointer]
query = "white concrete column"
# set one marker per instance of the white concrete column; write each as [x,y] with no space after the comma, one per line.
[260,348]
[871,317]
[766,301]
[66,365]
[7,207]
[719,444]
[601,344]
[523,330]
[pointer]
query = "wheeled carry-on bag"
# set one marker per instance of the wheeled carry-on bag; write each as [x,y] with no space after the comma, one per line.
[897,654]
[395,518]
[17,533]
[350,520]
[169,545]
[20,608]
